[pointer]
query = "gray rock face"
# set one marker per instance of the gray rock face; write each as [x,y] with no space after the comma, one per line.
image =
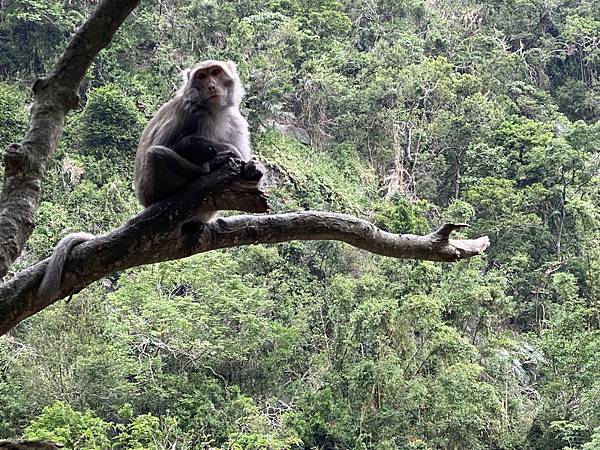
[292,131]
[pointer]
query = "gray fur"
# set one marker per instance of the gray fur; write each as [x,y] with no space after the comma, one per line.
[54,270]
[160,171]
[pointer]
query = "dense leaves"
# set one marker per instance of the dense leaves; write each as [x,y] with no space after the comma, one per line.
[408,113]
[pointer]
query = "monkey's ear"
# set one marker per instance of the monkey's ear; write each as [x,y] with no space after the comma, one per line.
[185,73]
[233,66]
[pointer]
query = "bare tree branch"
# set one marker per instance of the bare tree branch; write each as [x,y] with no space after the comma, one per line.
[163,232]
[21,444]
[26,163]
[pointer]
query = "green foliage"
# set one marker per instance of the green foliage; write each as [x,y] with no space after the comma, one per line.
[140,433]
[418,113]
[577,100]
[399,215]
[61,423]
[14,409]
[594,444]
[88,366]
[13,117]
[110,127]
[269,47]
[312,180]
[35,32]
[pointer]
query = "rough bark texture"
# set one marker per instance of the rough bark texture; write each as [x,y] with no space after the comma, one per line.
[162,232]
[26,162]
[20,444]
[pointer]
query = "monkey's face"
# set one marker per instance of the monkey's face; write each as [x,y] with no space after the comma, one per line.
[214,84]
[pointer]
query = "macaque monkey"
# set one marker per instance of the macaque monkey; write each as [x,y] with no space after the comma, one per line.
[199,128]
[201,124]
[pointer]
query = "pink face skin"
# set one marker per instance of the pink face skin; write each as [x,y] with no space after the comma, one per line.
[212,82]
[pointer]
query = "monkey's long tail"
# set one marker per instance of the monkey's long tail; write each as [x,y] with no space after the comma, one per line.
[54,270]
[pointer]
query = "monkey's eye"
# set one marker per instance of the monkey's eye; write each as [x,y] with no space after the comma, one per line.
[200,75]
[216,72]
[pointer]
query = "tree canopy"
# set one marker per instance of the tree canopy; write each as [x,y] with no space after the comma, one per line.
[404,114]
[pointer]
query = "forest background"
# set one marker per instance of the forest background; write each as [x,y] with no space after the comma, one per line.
[408,113]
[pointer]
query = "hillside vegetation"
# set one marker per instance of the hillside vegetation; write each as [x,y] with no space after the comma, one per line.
[418,112]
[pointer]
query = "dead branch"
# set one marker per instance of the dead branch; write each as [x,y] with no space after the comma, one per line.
[21,444]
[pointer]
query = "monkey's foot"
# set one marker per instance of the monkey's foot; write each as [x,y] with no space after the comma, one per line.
[253,170]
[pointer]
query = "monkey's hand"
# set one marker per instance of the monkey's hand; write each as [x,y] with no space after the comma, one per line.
[253,170]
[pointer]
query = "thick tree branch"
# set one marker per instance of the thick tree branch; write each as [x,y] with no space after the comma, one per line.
[162,232]
[26,163]
[21,444]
